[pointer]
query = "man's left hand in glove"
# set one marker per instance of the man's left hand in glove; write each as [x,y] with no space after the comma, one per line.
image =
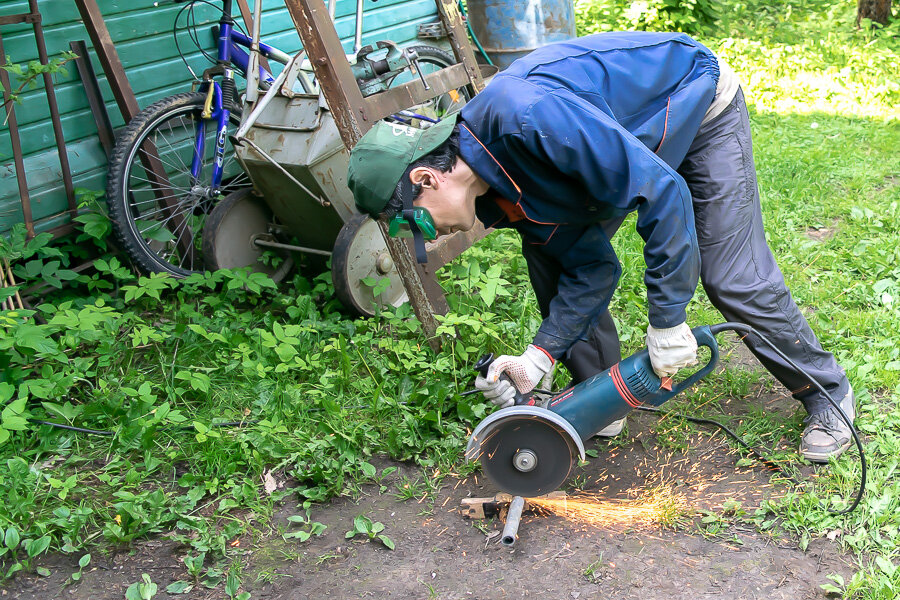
[525,371]
[671,349]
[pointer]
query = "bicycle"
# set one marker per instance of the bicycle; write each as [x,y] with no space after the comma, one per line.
[174,161]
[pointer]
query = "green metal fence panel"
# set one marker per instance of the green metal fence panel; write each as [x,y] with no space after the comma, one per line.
[142,32]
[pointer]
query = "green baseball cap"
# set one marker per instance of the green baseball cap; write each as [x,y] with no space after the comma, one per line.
[381,156]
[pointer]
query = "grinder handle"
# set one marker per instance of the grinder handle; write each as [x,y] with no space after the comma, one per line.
[482,367]
[706,338]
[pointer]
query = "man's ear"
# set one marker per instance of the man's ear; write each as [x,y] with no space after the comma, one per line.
[423,176]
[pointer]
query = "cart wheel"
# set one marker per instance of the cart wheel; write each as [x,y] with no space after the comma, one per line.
[230,232]
[360,262]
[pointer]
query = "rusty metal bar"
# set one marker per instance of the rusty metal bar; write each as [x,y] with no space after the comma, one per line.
[20,18]
[270,244]
[383,104]
[448,10]
[16,142]
[94,96]
[54,109]
[440,252]
[345,101]
[61,230]
[433,289]
[247,17]
[448,247]
[109,58]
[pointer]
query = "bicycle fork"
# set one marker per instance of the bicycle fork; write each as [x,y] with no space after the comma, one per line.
[216,108]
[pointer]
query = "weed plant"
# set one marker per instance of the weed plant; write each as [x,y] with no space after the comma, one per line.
[211,387]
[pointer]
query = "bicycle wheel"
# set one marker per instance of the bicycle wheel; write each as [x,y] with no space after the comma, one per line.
[431,59]
[157,208]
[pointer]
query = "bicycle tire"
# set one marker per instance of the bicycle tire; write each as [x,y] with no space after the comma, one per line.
[154,254]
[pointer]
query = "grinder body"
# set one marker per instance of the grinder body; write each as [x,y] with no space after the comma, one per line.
[608,396]
[528,450]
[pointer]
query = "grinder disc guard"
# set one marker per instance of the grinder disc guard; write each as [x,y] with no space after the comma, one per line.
[525,451]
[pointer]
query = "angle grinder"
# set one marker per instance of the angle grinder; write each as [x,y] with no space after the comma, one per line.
[529,450]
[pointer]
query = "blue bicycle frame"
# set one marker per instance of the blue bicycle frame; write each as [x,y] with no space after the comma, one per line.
[219,96]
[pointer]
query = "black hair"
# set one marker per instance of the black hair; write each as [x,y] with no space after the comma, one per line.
[443,158]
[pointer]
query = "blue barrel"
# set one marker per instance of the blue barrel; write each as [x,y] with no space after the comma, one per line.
[508,29]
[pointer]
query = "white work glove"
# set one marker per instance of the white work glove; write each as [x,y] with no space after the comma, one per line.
[671,349]
[525,371]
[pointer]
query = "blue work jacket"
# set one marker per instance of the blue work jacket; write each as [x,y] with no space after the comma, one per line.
[586,130]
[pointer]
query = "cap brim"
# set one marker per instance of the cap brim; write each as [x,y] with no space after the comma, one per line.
[433,137]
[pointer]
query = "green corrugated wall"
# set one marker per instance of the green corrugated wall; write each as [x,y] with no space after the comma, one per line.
[142,34]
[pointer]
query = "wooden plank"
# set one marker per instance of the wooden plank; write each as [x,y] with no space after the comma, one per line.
[379,106]
[344,98]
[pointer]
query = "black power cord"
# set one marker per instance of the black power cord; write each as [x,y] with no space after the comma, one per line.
[747,330]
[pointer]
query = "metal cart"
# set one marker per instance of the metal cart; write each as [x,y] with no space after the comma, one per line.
[296,155]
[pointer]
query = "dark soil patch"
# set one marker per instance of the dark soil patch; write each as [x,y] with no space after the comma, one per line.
[440,554]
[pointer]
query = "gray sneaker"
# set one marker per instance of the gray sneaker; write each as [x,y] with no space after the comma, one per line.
[613,429]
[826,433]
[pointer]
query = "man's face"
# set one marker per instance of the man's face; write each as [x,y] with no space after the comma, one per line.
[449,197]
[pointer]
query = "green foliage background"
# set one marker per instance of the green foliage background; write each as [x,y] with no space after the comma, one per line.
[208,385]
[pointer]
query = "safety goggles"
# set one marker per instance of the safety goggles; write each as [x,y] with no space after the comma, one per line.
[413,221]
[408,221]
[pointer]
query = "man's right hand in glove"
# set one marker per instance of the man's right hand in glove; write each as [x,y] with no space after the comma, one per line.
[525,371]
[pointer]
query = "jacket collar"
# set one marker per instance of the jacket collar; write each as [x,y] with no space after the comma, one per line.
[480,160]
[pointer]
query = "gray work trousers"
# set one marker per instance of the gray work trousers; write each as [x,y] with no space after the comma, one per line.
[737,268]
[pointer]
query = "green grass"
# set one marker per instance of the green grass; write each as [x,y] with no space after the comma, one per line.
[162,364]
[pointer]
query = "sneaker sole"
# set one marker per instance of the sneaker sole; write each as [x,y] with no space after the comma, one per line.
[610,431]
[822,457]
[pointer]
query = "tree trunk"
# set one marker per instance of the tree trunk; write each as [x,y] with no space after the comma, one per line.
[879,11]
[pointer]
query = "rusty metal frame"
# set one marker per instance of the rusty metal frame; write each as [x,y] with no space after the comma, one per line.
[33,17]
[16,141]
[354,115]
[109,58]
[448,11]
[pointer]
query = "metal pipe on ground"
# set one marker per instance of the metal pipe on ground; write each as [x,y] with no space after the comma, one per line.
[513,517]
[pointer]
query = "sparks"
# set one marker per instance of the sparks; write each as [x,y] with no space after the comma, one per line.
[653,507]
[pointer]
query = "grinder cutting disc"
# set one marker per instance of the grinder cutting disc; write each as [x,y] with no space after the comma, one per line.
[525,451]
